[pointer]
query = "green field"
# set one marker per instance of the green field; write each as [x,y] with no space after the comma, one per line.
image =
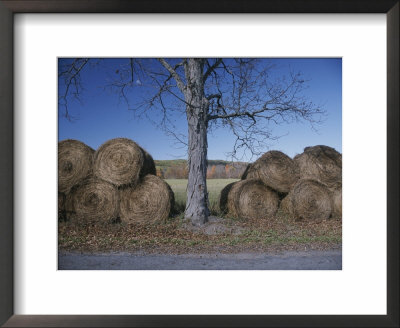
[214,187]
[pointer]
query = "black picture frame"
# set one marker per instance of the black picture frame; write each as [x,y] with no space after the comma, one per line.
[7,10]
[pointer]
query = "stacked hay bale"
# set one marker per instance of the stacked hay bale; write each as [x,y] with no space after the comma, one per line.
[94,200]
[307,187]
[309,199]
[252,199]
[336,194]
[321,163]
[120,184]
[277,170]
[263,183]
[75,163]
[122,162]
[318,193]
[150,201]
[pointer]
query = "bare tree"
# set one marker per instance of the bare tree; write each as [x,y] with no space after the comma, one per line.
[242,94]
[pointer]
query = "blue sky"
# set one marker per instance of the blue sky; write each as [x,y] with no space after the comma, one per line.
[102,115]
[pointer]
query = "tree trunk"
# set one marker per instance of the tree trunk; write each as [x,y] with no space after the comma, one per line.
[196,110]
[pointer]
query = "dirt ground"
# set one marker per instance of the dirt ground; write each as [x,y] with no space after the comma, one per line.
[306,260]
[220,244]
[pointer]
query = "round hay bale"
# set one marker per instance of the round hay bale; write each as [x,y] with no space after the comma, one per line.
[250,172]
[320,163]
[94,200]
[149,167]
[286,205]
[223,198]
[336,194]
[61,206]
[61,202]
[119,161]
[310,200]
[276,170]
[75,161]
[252,199]
[148,202]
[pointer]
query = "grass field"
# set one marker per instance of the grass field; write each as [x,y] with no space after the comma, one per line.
[214,187]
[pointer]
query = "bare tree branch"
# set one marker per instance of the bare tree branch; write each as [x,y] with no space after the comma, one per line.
[71,77]
[244,95]
[248,97]
[212,68]
[174,74]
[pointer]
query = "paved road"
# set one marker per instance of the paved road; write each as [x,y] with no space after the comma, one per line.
[310,260]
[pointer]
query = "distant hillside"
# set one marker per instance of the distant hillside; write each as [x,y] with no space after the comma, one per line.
[217,169]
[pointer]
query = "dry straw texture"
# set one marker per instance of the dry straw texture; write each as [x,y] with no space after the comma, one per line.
[75,160]
[61,202]
[310,200]
[336,194]
[94,200]
[61,206]
[320,163]
[119,161]
[275,169]
[223,198]
[252,199]
[250,172]
[148,202]
[286,205]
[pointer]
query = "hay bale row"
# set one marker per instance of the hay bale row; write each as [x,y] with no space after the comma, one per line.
[117,182]
[309,186]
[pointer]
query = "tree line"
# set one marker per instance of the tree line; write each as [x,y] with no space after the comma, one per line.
[214,171]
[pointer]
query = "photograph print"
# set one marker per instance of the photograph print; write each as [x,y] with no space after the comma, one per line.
[199,163]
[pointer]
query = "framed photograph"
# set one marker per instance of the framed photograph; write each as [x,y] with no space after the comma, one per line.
[349,49]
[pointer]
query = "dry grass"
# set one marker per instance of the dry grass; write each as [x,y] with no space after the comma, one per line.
[281,233]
